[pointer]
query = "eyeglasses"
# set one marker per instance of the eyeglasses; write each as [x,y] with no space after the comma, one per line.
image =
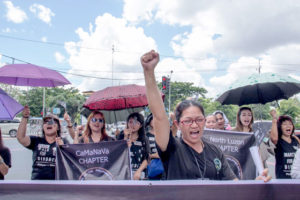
[189,122]
[94,120]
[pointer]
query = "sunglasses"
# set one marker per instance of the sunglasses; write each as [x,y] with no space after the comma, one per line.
[50,121]
[94,120]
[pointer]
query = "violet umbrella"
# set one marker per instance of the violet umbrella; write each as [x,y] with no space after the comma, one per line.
[9,107]
[31,75]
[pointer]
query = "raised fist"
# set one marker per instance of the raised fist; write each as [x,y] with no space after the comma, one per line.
[26,112]
[149,60]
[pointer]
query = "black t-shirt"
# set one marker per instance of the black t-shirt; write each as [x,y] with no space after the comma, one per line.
[138,152]
[152,144]
[43,157]
[284,154]
[5,154]
[182,162]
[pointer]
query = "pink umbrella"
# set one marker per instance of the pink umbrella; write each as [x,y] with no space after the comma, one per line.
[31,75]
[118,97]
[8,106]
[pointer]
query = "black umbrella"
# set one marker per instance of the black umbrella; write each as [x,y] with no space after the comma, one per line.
[260,88]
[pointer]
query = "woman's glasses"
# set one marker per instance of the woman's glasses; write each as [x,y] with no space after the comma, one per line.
[50,121]
[189,122]
[94,120]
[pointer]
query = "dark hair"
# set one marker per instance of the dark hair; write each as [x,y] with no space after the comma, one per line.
[239,125]
[141,132]
[280,120]
[139,118]
[148,120]
[88,131]
[186,104]
[219,112]
[58,133]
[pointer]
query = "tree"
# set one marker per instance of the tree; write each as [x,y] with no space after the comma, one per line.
[55,98]
[211,106]
[11,90]
[181,91]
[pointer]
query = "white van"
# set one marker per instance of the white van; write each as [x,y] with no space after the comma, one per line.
[9,127]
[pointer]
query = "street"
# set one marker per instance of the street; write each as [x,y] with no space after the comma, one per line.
[21,160]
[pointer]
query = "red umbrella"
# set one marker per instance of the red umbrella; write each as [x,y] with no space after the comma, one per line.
[118,97]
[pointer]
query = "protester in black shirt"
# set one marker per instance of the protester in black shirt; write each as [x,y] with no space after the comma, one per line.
[134,133]
[94,130]
[153,150]
[5,159]
[189,157]
[282,135]
[43,148]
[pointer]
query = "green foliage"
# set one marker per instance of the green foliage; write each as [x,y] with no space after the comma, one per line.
[53,96]
[11,90]
[181,91]
[211,106]
[290,107]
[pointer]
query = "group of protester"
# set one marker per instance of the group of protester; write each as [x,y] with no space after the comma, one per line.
[184,156]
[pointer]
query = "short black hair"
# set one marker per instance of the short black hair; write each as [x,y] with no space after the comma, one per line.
[186,104]
[282,119]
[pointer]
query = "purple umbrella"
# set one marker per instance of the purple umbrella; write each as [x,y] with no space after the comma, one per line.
[31,75]
[8,106]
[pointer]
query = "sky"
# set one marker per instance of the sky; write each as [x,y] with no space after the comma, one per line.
[98,43]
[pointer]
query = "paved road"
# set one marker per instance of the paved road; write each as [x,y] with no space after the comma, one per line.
[21,160]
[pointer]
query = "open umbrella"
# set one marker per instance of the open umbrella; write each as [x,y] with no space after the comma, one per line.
[118,102]
[8,106]
[260,88]
[31,75]
[113,116]
[117,98]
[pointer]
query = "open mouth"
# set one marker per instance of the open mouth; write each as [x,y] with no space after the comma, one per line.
[246,122]
[288,130]
[194,134]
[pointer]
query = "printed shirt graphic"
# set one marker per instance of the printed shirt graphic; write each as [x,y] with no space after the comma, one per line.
[152,144]
[284,154]
[43,158]
[137,154]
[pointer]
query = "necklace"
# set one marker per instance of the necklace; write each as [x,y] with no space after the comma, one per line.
[196,160]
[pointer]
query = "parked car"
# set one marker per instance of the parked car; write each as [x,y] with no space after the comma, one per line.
[9,127]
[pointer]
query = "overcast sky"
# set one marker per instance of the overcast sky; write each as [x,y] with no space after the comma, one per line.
[210,43]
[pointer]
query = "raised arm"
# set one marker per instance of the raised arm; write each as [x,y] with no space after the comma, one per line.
[160,119]
[274,131]
[69,125]
[21,134]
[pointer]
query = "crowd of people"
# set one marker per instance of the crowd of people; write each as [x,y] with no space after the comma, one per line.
[175,142]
